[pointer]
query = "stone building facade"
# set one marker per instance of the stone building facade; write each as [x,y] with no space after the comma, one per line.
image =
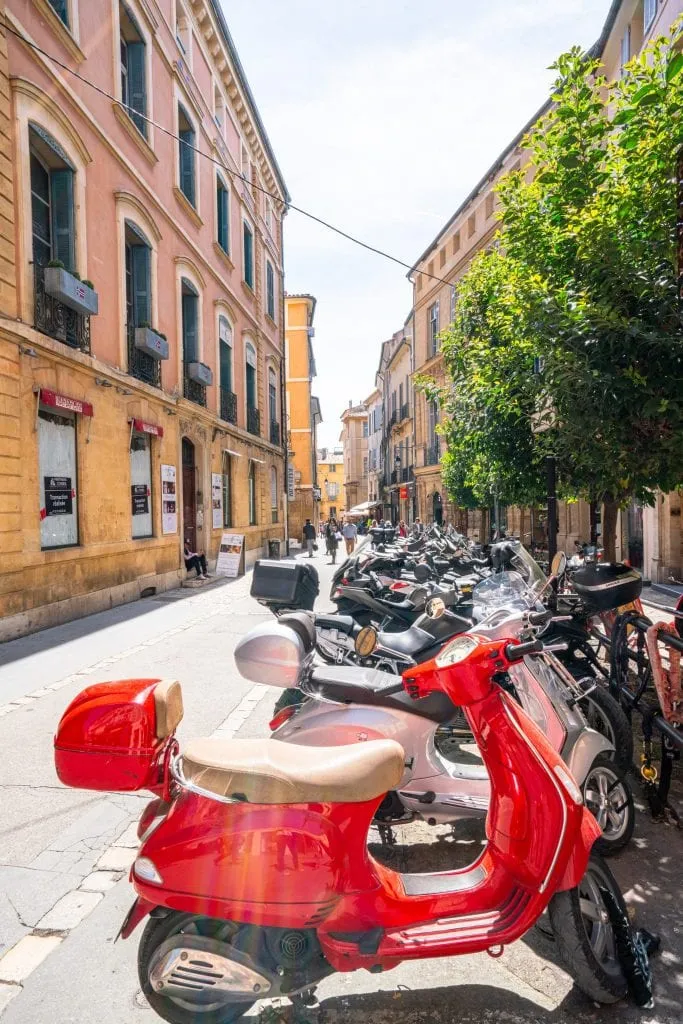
[331,482]
[303,413]
[144,405]
[354,440]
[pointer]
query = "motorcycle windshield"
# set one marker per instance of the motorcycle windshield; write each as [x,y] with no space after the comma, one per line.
[528,568]
[506,589]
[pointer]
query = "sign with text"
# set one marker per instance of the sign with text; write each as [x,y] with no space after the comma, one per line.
[58,496]
[139,499]
[291,493]
[217,500]
[169,500]
[229,561]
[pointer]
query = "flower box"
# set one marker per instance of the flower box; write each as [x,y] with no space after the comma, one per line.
[201,373]
[147,340]
[71,292]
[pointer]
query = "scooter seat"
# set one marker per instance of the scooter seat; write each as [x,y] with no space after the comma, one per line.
[344,623]
[270,772]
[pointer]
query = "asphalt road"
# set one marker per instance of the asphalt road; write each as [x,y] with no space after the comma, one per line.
[64,853]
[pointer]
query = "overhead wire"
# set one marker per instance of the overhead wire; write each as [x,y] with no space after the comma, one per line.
[219,163]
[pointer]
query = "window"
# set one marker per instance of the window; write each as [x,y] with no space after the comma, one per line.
[190,321]
[332,489]
[219,110]
[222,215]
[138,277]
[419,282]
[182,30]
[442,257]
[250,372]
[268,217]
[273,494]
[141,485]
[454,300]
[489,205]
[58,479]
[365,428]
[186,168]
[456,242]
[248,254]
[225,353]
[365,465]
[133,69]
[332,469]
[252,494]
[433,420]
[226,481]
[52,201]
[626,46]
[61,9]
[433,328]
[272,397]
[270,290]
[471,225]
[649,13]
[400,400]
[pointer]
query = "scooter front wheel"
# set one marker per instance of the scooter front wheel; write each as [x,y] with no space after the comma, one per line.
[608,797]
[585,938]
[175,995]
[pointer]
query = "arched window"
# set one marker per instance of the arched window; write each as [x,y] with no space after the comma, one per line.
[273,493]
[52,201]
[228,397]
[252,494]
[253,419]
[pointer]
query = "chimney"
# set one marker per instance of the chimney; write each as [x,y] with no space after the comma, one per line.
[350,404]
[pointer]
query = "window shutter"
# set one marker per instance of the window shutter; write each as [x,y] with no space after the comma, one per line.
[141,284]
[187,164]
[248,256]
[270,290]
[62,203]
[137,87]
[226,366]
[189,328]
[222,216]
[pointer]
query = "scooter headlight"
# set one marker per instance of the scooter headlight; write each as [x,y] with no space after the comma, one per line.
[456,651]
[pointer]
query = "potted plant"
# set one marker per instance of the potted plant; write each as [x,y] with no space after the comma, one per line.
[152,342]
[67,287]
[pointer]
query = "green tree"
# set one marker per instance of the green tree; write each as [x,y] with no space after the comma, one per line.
[584,275]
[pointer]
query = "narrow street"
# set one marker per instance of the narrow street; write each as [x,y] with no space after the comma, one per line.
[66,852]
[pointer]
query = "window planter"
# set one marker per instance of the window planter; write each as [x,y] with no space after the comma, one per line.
[201,373]
[147,340]
[71,292]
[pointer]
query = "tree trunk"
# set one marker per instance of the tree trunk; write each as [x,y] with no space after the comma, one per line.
[610,512]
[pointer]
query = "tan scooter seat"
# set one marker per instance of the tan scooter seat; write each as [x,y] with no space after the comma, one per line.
[270,772]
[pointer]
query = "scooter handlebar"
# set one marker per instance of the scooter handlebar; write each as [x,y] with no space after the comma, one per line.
[516,652]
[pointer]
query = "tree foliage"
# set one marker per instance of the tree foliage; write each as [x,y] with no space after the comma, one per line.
[583,275]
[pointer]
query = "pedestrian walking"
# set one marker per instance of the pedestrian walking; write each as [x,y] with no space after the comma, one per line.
[309,537]
[331,539]
[349,532]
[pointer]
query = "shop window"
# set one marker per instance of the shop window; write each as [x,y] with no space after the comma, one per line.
[141,485]
[252,494]
[52,201]
[226,483]
[58,479]
[133,69]
[248,254]
[186,167]
[190,311]
[273,493]
[270,290]
[222,215]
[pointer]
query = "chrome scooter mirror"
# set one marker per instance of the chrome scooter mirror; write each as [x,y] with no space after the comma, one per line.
[558,565]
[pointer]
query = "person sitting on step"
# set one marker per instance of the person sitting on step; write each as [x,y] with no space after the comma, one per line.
[195,561]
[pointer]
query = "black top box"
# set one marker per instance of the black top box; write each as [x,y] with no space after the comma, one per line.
[607,586]
[285,584]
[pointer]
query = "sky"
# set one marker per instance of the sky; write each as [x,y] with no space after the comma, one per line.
[383,115]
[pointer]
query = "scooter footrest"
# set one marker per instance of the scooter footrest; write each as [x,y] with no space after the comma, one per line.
[451,930]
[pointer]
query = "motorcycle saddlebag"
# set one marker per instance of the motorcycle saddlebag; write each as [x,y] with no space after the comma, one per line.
[285,584]
[112,736]
[605,586]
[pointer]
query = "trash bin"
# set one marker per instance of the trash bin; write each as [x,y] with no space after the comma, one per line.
[273,549]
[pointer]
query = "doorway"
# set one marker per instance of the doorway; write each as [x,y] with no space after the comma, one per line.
[437,509]
[634,526]
[189,494]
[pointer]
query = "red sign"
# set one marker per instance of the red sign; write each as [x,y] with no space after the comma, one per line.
[57,401]
[143,427]
[403,493]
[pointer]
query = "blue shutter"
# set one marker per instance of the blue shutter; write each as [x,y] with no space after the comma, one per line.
[141,284]
[189,328]
[248,256]
[187,164]
[226,366]
[62,210]
[251,387]
[137,85]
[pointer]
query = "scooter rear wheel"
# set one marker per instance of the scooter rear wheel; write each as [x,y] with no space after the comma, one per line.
[178,1010]
[585,938]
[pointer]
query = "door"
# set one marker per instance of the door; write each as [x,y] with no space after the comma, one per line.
[437,509]
[189,495]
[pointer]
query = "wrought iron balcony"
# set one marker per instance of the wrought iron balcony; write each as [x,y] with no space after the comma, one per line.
[228,405]
[433,454]
[58,321]
[275,434]
[193,390]
[140,364]
[253,421]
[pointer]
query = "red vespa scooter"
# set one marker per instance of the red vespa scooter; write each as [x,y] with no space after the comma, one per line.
[254,868]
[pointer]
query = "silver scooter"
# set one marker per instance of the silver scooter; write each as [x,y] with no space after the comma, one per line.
[442,783]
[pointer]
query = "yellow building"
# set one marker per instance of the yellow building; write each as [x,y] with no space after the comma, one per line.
[303,414]
[142,407]
[331,482]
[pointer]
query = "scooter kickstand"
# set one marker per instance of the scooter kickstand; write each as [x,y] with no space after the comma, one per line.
[386,835]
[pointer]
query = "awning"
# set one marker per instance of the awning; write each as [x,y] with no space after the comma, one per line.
[143,427]
[57,401]
[363,508]
[229,451]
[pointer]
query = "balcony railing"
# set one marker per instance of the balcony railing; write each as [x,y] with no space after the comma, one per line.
[394,476]
[53,318]
[275,434]
[140,364]
[253,421]
[432,455]
[193,390]
[228,405]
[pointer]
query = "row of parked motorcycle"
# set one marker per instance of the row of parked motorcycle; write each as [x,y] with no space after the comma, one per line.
[449,683]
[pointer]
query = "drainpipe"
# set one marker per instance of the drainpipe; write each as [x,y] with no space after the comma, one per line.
[283,395]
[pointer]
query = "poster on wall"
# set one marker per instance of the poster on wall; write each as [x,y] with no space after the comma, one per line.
[169,500]
[58,496]
[139,494]
[230,555]
[217,500]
